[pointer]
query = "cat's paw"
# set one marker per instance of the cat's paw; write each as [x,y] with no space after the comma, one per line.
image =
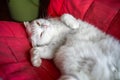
[67,77]
[35,57]
[70,21]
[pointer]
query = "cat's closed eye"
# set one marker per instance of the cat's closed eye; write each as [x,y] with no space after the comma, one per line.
[41,34]
[41,25]
[38,23]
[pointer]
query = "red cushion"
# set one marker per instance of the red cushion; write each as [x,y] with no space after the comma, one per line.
[15,58]
[77,8]
[14,45]
[102,13]
[114,28]
[105,17]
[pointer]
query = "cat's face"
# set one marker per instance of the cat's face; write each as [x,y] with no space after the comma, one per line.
[40,31]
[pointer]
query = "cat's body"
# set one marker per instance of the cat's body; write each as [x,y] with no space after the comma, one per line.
[80,51]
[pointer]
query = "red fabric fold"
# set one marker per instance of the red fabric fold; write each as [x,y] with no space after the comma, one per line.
[101,13]
[77,8]
[15,57]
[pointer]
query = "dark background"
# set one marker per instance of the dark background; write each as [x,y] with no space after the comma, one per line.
[5,14]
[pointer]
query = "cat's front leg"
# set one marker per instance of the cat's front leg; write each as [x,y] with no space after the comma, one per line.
[35,57]
[40,52]
[70,21]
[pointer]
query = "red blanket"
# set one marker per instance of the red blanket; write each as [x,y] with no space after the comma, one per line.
[15,57]
[14,44]
[105,14]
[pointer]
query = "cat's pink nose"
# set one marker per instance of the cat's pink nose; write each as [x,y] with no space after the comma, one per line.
[46,26]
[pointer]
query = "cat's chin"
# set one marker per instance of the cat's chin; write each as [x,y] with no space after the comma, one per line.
[40,45]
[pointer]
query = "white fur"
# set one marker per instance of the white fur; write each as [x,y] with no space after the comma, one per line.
[80,51]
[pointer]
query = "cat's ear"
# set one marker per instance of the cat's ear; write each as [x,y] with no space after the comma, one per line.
[28,28]
[26,24]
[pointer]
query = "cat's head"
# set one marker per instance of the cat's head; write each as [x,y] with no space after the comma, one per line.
[40,32]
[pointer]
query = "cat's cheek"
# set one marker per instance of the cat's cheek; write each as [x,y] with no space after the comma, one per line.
[44,39]
[33,43]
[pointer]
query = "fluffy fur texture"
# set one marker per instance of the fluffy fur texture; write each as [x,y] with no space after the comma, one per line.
[79,49]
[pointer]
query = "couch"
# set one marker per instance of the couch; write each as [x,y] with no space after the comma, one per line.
[14,43]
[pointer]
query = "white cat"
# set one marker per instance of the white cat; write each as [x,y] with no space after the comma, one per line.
[79,49]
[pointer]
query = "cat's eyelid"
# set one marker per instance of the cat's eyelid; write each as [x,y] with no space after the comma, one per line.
[41,25]
[38,23]
[41,34]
